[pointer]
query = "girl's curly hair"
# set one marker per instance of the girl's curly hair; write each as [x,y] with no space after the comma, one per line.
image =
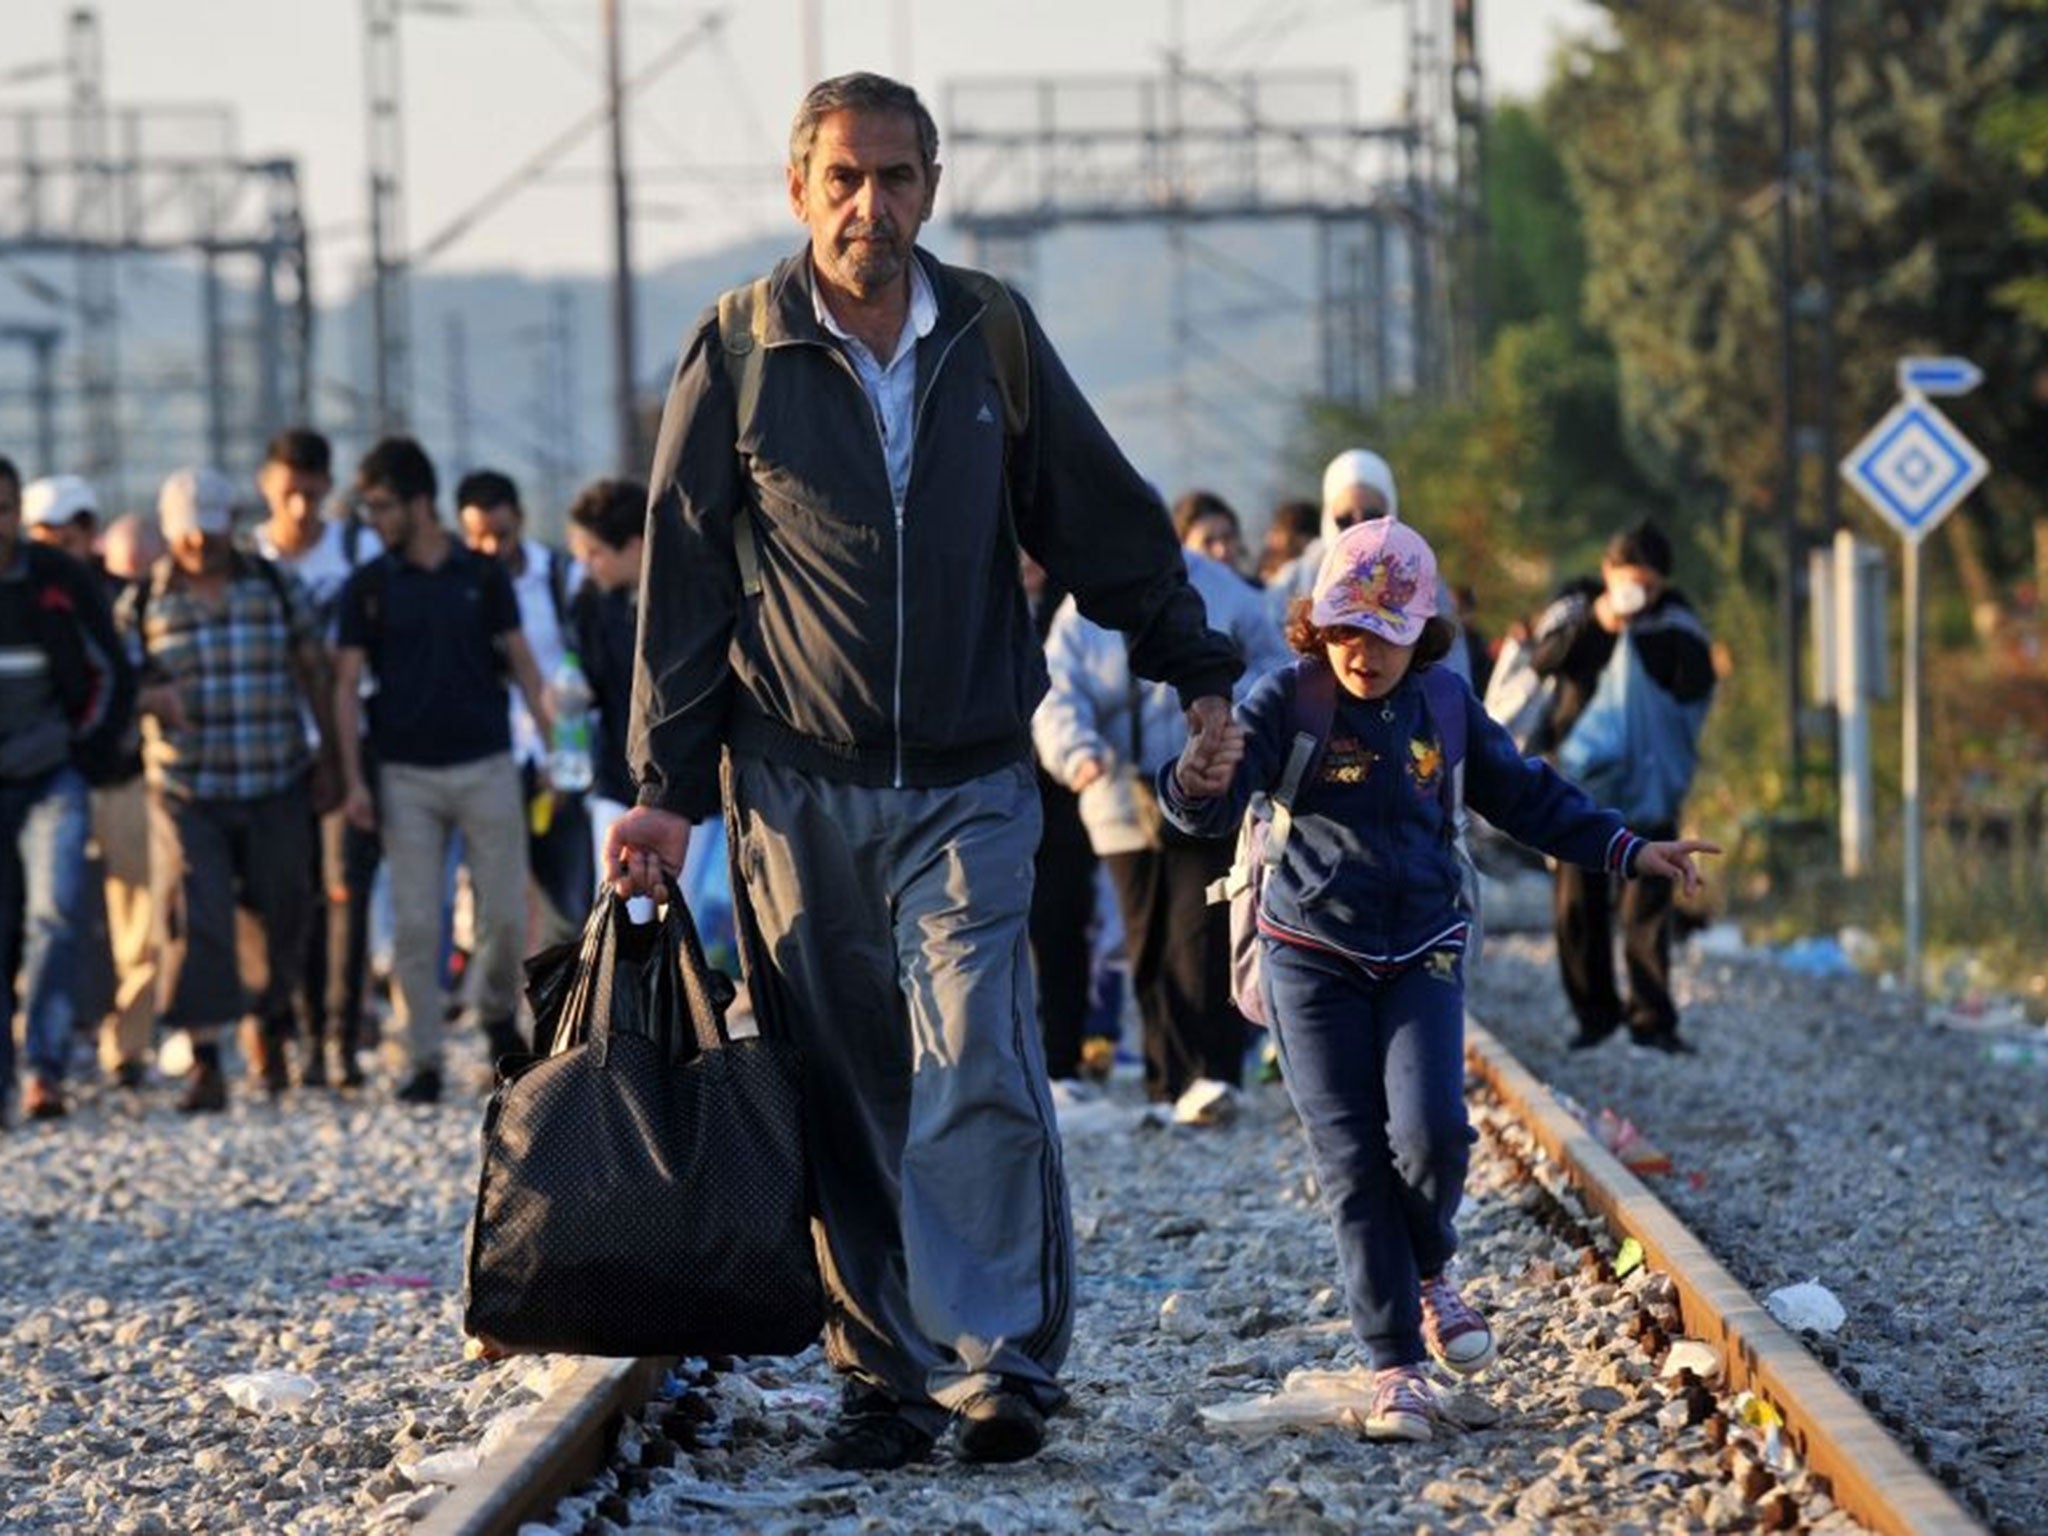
[1306,638]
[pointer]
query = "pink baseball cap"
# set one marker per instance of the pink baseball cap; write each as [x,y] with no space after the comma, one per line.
[1378,575]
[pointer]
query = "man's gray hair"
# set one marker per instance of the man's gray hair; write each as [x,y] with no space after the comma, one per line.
[860,92]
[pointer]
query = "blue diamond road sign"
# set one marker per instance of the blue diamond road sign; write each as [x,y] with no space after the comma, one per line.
[1915,467]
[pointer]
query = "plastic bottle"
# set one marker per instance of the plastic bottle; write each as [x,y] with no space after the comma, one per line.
[569,696]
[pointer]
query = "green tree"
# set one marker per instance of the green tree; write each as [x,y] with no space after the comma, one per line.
[1669,126]
[2017,125]
[1519,487]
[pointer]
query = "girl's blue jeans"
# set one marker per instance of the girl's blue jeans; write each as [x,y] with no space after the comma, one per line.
[1375,1066]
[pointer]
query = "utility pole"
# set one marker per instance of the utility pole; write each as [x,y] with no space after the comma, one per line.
[1806,300]
[390,329]
[1468,112]
[1788,396]
[41,341]
[625,396]
[94,225]
[461,416]
[1180,311]
[810,23]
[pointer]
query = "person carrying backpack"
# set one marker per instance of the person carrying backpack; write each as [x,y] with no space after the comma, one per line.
[232,664]
[1363,930]
[66,698]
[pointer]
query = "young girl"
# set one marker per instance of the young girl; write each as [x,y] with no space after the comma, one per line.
[1364,935]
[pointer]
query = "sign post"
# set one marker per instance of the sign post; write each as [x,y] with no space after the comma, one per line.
[1915,468]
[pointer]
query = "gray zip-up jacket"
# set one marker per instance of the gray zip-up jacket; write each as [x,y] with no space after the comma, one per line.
[888,646]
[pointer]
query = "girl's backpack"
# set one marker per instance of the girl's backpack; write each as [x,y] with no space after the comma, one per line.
[1262,838]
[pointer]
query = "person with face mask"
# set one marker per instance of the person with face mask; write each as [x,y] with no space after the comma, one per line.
[1635,674]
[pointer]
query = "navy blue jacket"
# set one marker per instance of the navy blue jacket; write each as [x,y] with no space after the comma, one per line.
[1369,869]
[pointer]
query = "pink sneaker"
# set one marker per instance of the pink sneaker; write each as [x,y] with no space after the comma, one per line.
[1402,1406]
[1457,1336]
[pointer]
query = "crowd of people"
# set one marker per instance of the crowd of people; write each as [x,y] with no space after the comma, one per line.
[886,557]
[238,729]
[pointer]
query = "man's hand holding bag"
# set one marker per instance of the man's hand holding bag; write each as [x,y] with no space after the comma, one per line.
[644,1187]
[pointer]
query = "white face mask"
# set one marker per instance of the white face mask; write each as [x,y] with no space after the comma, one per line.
[1628,598]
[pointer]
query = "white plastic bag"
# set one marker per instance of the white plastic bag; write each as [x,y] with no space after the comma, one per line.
[269,1392]
[1807,1305]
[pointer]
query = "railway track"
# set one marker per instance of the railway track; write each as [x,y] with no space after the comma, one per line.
[1825,1464]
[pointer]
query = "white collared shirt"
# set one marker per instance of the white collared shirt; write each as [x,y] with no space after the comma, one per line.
[891,387]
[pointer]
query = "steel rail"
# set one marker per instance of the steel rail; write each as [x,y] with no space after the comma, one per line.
[1869,1475]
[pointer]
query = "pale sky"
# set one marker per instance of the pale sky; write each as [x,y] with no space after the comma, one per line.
[486,88]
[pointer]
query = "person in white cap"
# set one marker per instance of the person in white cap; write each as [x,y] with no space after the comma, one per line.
[1362,932]
[65,690]
[231,651]
[64,511]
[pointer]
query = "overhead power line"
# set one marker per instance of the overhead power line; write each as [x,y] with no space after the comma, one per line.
[542,159]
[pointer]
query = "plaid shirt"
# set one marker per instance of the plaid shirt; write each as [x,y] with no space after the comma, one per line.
[232,666]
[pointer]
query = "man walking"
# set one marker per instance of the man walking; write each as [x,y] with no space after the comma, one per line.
[544,582]
[606,523]
[120,828]
[295,480]
[438,627]
[1635,674]
[853,450]
[66,692]
[231,656]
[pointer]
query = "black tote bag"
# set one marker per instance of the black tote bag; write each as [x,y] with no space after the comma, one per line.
[644,1187]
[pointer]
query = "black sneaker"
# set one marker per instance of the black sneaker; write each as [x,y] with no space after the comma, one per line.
[998,1426]
[1589,1035]
[872,1442]
[1669,1041]
[423,1087]
[43,1100]
[206,1090]
[313,1074]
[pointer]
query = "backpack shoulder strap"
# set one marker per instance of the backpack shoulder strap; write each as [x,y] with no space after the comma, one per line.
[272,578]
[372,574]
[558,586]
[1002,328]
[742,333]
[1444,692]
[1314,711]
[152,586]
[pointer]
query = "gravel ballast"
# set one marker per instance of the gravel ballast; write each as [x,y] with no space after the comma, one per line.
[147,1260]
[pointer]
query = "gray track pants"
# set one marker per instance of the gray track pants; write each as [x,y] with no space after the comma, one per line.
[894,929]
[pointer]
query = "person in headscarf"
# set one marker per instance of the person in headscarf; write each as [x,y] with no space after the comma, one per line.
[1358,485]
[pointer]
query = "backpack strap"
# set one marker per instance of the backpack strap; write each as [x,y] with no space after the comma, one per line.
[274,579]
[1002,330]
[1443,694]
[372,574]
[558,586]
[1314,711]
[743,333]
